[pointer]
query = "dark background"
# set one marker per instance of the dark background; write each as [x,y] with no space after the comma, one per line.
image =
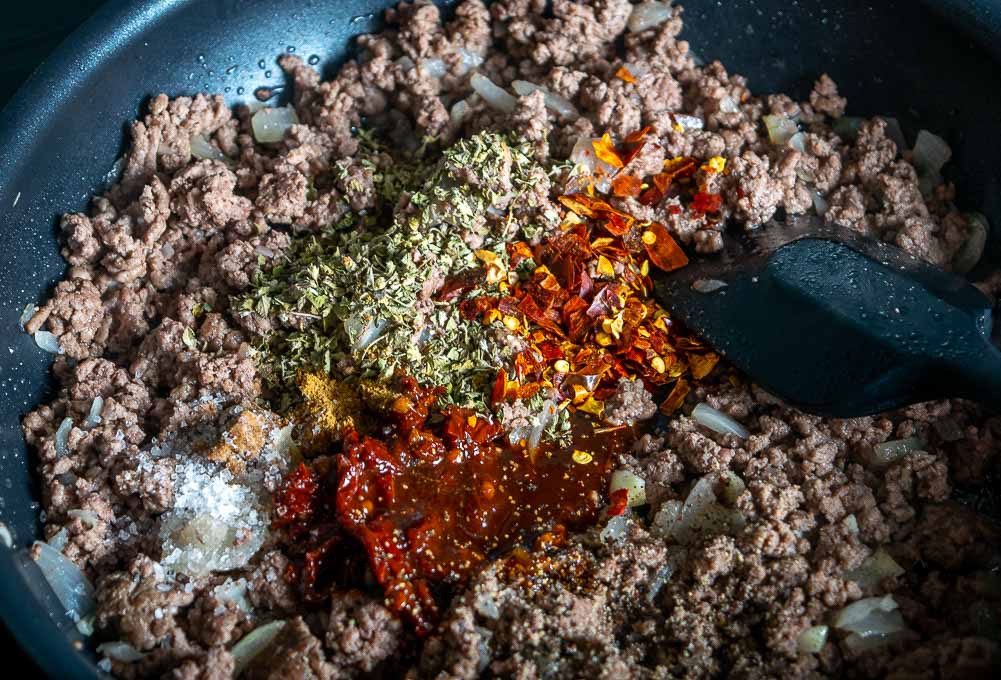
[28,33]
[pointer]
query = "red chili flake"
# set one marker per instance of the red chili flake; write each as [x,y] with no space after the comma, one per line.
[618,224]
[637,136]
[518,252]
[619,502]
[707,203]
[663,250]
[604,149]
[623,74]
[500,388]
[627,185]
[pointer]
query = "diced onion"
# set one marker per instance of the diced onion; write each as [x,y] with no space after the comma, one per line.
[29,311]
[887,452]
[851,523]
[460,110]
[615,529]
[86,516]
[874,569]
[780,129]
[634,485]
[554,102]
[931,153]
[433,67]
[647,15]
[252,644]
[798,142]
[708,285]
[201,148]
[59,540]
[972,250]
[62,437]
[270,124]
[688,122]
[75,592]
[733,487]
[812,640]
[865,614]
[120,651]
[718,421]
[93,418]
[495,97]
[264,251]
[48,342]
[405,62]
[820,205]
[545,417]
[728,105]
[468,60]
[700,515]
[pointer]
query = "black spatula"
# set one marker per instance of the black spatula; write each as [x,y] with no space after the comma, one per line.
[838,325]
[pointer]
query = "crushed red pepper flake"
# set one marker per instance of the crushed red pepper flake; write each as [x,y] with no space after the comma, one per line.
[604,149]
[627,185]
[624,75]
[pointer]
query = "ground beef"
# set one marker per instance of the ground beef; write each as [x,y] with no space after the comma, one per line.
[630,404]
[145,321]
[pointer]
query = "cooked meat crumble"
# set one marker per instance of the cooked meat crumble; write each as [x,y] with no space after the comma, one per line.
[162,453]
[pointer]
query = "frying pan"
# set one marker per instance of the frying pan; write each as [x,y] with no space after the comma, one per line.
[932,64]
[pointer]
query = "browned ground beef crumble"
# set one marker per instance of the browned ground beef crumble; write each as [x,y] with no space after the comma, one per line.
[177,232]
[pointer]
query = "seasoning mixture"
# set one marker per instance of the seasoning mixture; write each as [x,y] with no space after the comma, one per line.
[373,385]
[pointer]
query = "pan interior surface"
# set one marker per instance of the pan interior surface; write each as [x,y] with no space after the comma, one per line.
[928,64]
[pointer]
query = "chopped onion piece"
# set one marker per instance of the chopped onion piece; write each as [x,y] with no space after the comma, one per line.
[468,60]
[86,516]
[554,102]
[634,485]
[887,452]
[728,105]
[615,529]
[798,142]
[495,97]
[874,569]
[972,250]
[851,523]
[820,205]
[59,539]
[405,62]
[459,112]
[688,122]
[855,617]
[812,640]
[718,421]
[29,311]
[780,129]
[433,67]
[252,644]
[202,148]
[264,251]
[48,342]
[733,487]
[120,651]
[648,15]
[546,415]
[270,124]
[75,592]
[62,437]
[708,285]
[93,418]
[931,153]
